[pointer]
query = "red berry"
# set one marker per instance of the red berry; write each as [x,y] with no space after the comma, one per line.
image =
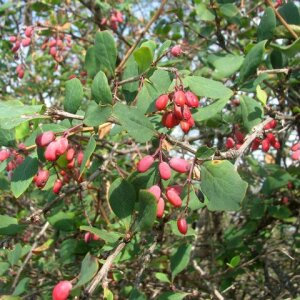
[182,225]
[179,165]
[62,145]
[238,146]
[272,124]
[59,43]
[265,145]
[11,166]
[185,126]
[70,154]
[71,164]
[162,102]
[296,147]
[177,188]
[16,47]
[290,185]
[186,112]
[255,144]
[12,39]
[42,178]
[28,31]
[4,154]
[285,200]
[176,50]
[276,144]
[156,191]
[62,290]
[80,157]
[19,159]
[57,186]
[45,138]
[296,155]
[169,120]
[230,143]
[52,51]
[145,163]
[26,42]
[271,138]
[179,98]
[52,43]
[178,112]
[50,152]
[173,197]
[160,208]
[164,170]
[191,122]
[239,136]
[119,16]
[191,99]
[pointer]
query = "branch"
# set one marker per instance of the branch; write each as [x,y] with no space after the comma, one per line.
[38,236]
[131,49]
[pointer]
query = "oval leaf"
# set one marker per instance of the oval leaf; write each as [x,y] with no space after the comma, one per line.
[101,90]
[74,95]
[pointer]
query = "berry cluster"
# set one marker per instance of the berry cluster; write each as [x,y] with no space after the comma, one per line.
[295,151]
[179,113]
[16,158]
[266,142]
[172,193]
[115,18]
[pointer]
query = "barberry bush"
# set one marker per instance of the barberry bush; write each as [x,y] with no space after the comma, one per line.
[149,149]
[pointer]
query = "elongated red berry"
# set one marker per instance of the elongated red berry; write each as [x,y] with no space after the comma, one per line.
[179,98]
[164,170]
[191,122]
[42,178]
[57,186]
[185,126]
[4,154]
[52,51]
[271,137]
[295,147]
[156,191]
[191,99]
[272,124]
[26,42]
[178,112]
[179,165]
[182,225]
[160,208]
[162,102]
[230,143]
[12,39]
[276,144]
[16,46]
[176,50]
[265,145]
[45,138]
[177,188]
[145,163]
[50,152]
[80,157]
[62,290]
[28,31]
[62,145]
[296,155]
[173,197]
[169,120]
[11,166]
[186,112]
[255,144]
[239,136]
[70,154]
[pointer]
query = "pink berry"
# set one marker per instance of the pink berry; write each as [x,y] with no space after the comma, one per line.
[176,50]
[119,16]
[169,120]
[26,42]
[156,191]
[178,112]
[271,138]
[62,290]
[191,99]
[50,152]
[295,147]
[182,225]
[160,208]
[162,102]
[185,126]
[145,163]
[52,43]
[42,178]
[21,74]
[71,164]
[57,186]
[11,166]
[12,39]
[164,170]
[186,112]
[52,51]
[296,155]
[70,154]
[16,47]
[62,145]
[179,98]
[179,165]
[230,143]
[191,122]
[80,157]
[285,200]
[173,197]
[239,136]
[276,144]
[4,154]
[45,138]
[28,31]
[265,145]
[177,188]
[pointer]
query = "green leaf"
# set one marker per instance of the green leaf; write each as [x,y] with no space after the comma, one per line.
[23,175]
[74,95]
[204,152]
[252,61]
[158,84]
[64,221]
[89,150]
[164,48]
[89,268]
[9,225]
[121,199]
[4,266]
[204,13]
[261,95]
[180,259]
[107,236]
[279,212]
[14,255]
[144,57]
[222,185]
[267,25]
[252,112]
[208,88]
[137,125]
[226,66]
[107,294]
[101,90]
[21,287]
[96,115]
[290,13]
[137,295]
[130,71]
[91,63]
[146,211]
[289,50]
[209,111]
[234,262]
[172,296]
[162,277]
[105,51]
[229,10]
